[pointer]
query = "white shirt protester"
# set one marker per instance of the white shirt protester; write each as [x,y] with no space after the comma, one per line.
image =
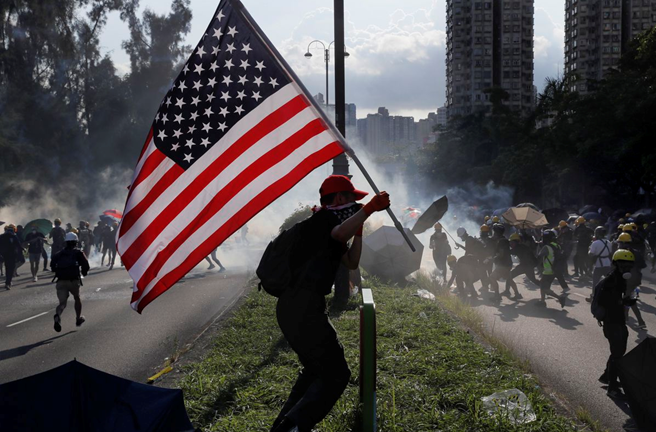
[602,251]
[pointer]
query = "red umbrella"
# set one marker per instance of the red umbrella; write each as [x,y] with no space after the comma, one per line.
[113,213]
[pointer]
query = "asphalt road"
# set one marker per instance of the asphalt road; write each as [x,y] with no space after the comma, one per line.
[114,338]
[567,348]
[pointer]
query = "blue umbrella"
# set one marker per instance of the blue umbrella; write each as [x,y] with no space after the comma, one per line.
[593,216]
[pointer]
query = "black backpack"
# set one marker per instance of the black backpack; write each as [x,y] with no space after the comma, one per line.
[275,270]
[598,311]
[67,267]
[560,261]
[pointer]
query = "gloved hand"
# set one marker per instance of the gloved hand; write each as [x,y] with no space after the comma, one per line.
[378,203]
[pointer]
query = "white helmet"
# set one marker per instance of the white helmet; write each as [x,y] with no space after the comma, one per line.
[461,232]
[71,237]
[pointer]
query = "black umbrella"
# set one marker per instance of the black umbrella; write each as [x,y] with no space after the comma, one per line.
[431,216]
[74,397]
[638,378]
[589,208]
[531,205]
[386,254]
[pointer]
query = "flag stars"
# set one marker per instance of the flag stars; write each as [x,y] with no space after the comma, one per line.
[224,111]
[232,31]
[242,80]
[192,129]
[179,102]
[185,69]
[205,142]
[195,100]
[181,86]
[256,96]
[200,52]
[214,66]
[177,133]
[178,118]
[260,65]
[199,69]
[162,135]
[194,116]
[222,127]
[190,143]
[241,95]
[188,158]
[211,82]
[225,96]
[168,101]
[197,85]
[206,127]
[258,81]
[244,64]
[228,64]
[239,110]
[216,50]
[164,118]
[220,15]
[226,80]
[231,48]
[246,48]
[218,33]
[208,112]
[274,83]
[210,97]
[175,147]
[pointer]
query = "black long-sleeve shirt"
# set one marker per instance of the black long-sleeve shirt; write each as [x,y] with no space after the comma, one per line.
[611,291]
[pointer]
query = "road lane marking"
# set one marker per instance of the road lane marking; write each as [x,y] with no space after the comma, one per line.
[98,289]
[27,319]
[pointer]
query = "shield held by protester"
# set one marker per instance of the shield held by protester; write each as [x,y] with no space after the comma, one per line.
[75,397]
[638,378]
[525,218]
[385,254]
[431,216]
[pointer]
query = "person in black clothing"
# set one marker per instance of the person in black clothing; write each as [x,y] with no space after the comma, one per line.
[11,251]
[526,257]
[583,236]
[439,244]
[57,234]
[464,272]
[109,245]
[566,241]
[476,248]
[69,264]
[611,292]
[502,264]
[35,241]
[301,309]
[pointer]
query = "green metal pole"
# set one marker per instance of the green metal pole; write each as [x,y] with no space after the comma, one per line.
[368,361]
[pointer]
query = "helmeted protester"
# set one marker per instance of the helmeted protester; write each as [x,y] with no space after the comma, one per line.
[84,238]
[526,257]
[583,236]
[476,248]
[57,234]
[439,244]
[463,272]
[108,246]
[601,253]
[35,241]
[611,292]
[490,249]
[625,242]
[69,265]
[566,241]
[549,256]
[97,235]
[11,251]
[301,308]
[502,264]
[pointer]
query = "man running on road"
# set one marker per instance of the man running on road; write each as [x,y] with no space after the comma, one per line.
[68,264]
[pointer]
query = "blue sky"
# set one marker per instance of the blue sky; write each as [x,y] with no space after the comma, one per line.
[396,47]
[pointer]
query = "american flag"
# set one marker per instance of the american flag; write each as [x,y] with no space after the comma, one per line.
[234,132]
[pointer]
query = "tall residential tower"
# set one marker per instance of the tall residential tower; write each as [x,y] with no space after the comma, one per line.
[489,44]
[596,34]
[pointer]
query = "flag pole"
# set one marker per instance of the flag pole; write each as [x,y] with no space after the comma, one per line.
[347,148]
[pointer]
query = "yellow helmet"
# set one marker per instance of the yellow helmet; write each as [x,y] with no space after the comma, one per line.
[514,237]
[627,227]
[485,228]
[624,238]
[496,219]
[580,220]
[562,224]
[451,258]
[486,218]
[437,226]
[623,255]
[645,226]
[635,226]
[11,227]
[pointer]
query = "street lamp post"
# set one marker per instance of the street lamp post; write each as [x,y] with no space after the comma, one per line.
[326,58]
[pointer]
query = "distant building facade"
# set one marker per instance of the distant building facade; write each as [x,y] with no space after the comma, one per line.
[489,44]
[597,32]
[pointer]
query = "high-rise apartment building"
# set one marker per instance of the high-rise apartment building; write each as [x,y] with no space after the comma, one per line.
[489,44]
[596,34]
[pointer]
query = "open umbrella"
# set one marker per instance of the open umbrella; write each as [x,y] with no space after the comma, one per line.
[525,217]
[588,208]
[499,212]
[386,254]
[594,216]
[42,225]
[431,216]
[638,378]
[113,213]
[531,205]
[74,397]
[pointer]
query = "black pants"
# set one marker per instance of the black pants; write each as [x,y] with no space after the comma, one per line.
[440,263]
[10,268]
[617,336]
[502,273]
[525,269]
[304,322]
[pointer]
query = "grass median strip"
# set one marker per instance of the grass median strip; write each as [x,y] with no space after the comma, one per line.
[431,373]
